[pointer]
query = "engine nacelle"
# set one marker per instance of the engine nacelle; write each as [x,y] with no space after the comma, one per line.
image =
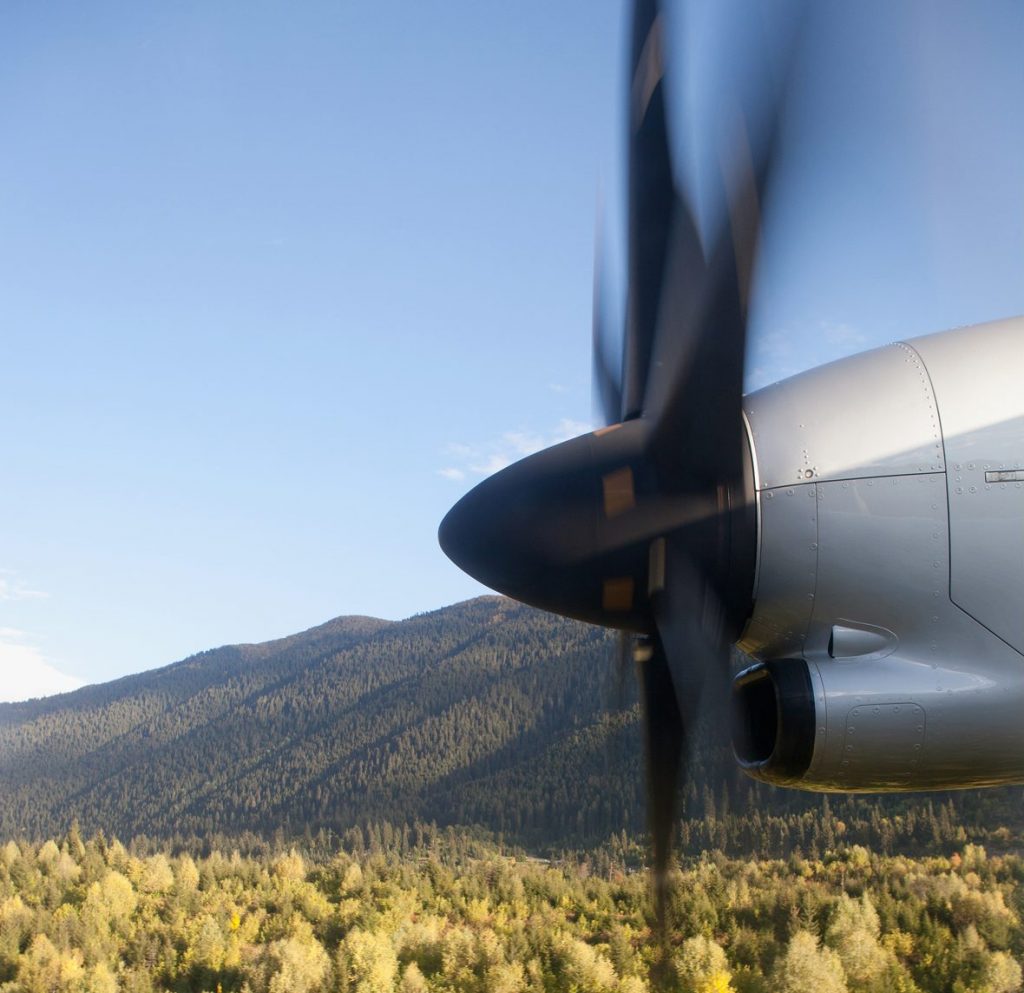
[774,721]
[883,725]
[889,596]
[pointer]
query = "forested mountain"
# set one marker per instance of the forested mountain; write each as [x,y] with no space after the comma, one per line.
[484,713]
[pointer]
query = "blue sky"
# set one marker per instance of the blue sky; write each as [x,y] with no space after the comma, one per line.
[278,282]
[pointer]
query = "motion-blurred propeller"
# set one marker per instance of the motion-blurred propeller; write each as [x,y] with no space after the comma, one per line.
[647,524]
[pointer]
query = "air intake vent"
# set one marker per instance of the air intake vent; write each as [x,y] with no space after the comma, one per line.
[773,720]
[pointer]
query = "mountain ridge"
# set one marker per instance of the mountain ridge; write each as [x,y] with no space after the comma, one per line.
[353,718]
[485,713]
[244,650]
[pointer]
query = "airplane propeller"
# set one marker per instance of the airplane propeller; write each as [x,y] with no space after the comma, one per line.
[648,524]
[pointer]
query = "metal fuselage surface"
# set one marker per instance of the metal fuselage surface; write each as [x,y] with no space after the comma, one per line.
[890,498]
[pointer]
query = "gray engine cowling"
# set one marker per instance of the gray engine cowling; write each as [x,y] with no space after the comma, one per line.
[885,725]
[888,614]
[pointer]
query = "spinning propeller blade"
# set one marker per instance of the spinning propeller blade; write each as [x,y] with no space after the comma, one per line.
[648,524]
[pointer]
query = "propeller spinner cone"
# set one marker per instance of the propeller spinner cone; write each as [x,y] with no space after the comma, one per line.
[559,529]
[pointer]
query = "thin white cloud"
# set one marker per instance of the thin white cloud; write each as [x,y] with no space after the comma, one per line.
[494,462]
[25,673]
[12,588]
[491,456]
[844,339]
[783,353]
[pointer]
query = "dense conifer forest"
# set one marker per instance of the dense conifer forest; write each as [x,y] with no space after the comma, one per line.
[485,713]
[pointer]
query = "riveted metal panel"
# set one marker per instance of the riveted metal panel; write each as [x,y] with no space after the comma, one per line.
[966,728]
[987,547]
[976,374]
[883,557]
[787,564]
[871,414]
[883,563]
[883,742]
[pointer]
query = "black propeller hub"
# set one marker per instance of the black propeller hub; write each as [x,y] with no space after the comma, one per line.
[580,530]
[561,530]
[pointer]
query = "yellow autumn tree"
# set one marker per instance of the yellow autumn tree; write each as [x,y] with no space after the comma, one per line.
[702,967]
[808,968]
[371,961]
[413,981]
[43,969]
[300,965]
